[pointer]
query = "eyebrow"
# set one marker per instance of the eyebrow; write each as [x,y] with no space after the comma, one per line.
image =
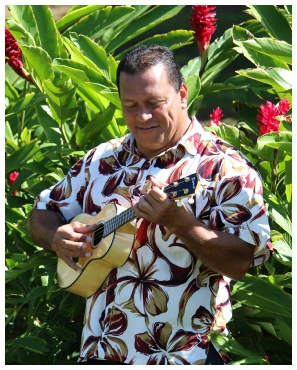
[155,98]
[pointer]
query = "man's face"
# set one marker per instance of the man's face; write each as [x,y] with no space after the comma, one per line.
[154,112]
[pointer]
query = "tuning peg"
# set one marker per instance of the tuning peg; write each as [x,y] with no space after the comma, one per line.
[179,203]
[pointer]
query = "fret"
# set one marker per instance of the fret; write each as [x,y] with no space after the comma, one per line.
[118,221]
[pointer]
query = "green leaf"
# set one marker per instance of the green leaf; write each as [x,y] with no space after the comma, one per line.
[29,100]
[97,23]
[231,134]
[95,126]
[143,23]
[39,61]
[282,280]
[273,20]
[173,40]
[95,101]
[232,346]
[281,140]
[218,87]
[13,274]
[250,360]
[18,158]
[284,329]
[279,50]
[281,221]
[288,180]
[90,54]
[23,14]
[111,94]
[278,78]
[192,67]
[218,65]
[73,16]
[61,101]
[256,292]
[81,73]
[9,138]
[49,35]
[19,33]
[284,252]
[32,344]
[81,77]
[10,92]
[220,55]
[277,212]
[262,51]
[219,46]
[194,85]
[49,125]
[13,215]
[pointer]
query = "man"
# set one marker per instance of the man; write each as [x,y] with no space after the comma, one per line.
[160,306]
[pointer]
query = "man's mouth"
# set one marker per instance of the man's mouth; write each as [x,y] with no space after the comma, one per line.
[146,128]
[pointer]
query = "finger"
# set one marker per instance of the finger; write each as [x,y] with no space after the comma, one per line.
[70,262]
[142,205]
[156,195]
[82,232]
[84,229]
[140,213]
[72,246]
[158,183]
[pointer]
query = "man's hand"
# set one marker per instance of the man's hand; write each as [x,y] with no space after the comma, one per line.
[157,207]
[73,241]
[68,241]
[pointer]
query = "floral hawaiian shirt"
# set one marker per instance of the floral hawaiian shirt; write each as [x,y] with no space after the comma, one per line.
[159,307]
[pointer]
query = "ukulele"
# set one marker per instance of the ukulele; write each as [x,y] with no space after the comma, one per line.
[112,241]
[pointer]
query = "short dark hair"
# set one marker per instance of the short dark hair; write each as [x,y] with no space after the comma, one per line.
[143,57]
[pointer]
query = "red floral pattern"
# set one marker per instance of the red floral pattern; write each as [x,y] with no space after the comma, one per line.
[164,348]
[159,307]
[118,168]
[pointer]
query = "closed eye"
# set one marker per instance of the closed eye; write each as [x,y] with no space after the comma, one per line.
[130,107]
[149,104]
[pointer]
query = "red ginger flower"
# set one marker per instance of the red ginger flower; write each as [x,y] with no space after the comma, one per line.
[268,113]
[204,23]
[283,107]
[13,55]
[12,177]
[216,116]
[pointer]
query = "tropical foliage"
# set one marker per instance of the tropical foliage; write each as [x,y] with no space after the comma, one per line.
[66,102]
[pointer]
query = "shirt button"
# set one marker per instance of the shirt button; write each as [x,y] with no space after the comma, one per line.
[146,166]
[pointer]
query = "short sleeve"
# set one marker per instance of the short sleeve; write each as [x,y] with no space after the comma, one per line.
[65,197]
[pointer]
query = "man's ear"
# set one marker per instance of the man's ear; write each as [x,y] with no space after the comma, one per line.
[184,95]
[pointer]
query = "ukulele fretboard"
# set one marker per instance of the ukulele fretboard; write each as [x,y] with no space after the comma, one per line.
[118,221]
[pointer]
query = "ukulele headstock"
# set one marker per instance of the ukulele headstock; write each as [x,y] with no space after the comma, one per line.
[183,188]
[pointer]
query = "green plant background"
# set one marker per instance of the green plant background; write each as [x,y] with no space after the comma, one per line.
[73,106]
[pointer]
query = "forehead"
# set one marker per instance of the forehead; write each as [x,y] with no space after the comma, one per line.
[154,79]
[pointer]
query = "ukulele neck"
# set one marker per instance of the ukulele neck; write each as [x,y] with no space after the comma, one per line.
[118,221]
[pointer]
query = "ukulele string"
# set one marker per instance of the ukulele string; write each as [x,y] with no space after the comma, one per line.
[104,229]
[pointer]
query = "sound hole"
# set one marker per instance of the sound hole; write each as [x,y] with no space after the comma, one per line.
[98,234]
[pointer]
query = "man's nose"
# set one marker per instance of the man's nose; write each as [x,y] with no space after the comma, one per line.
[143,114]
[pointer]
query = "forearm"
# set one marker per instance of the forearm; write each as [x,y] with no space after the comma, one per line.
[224,253]
[42,226]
